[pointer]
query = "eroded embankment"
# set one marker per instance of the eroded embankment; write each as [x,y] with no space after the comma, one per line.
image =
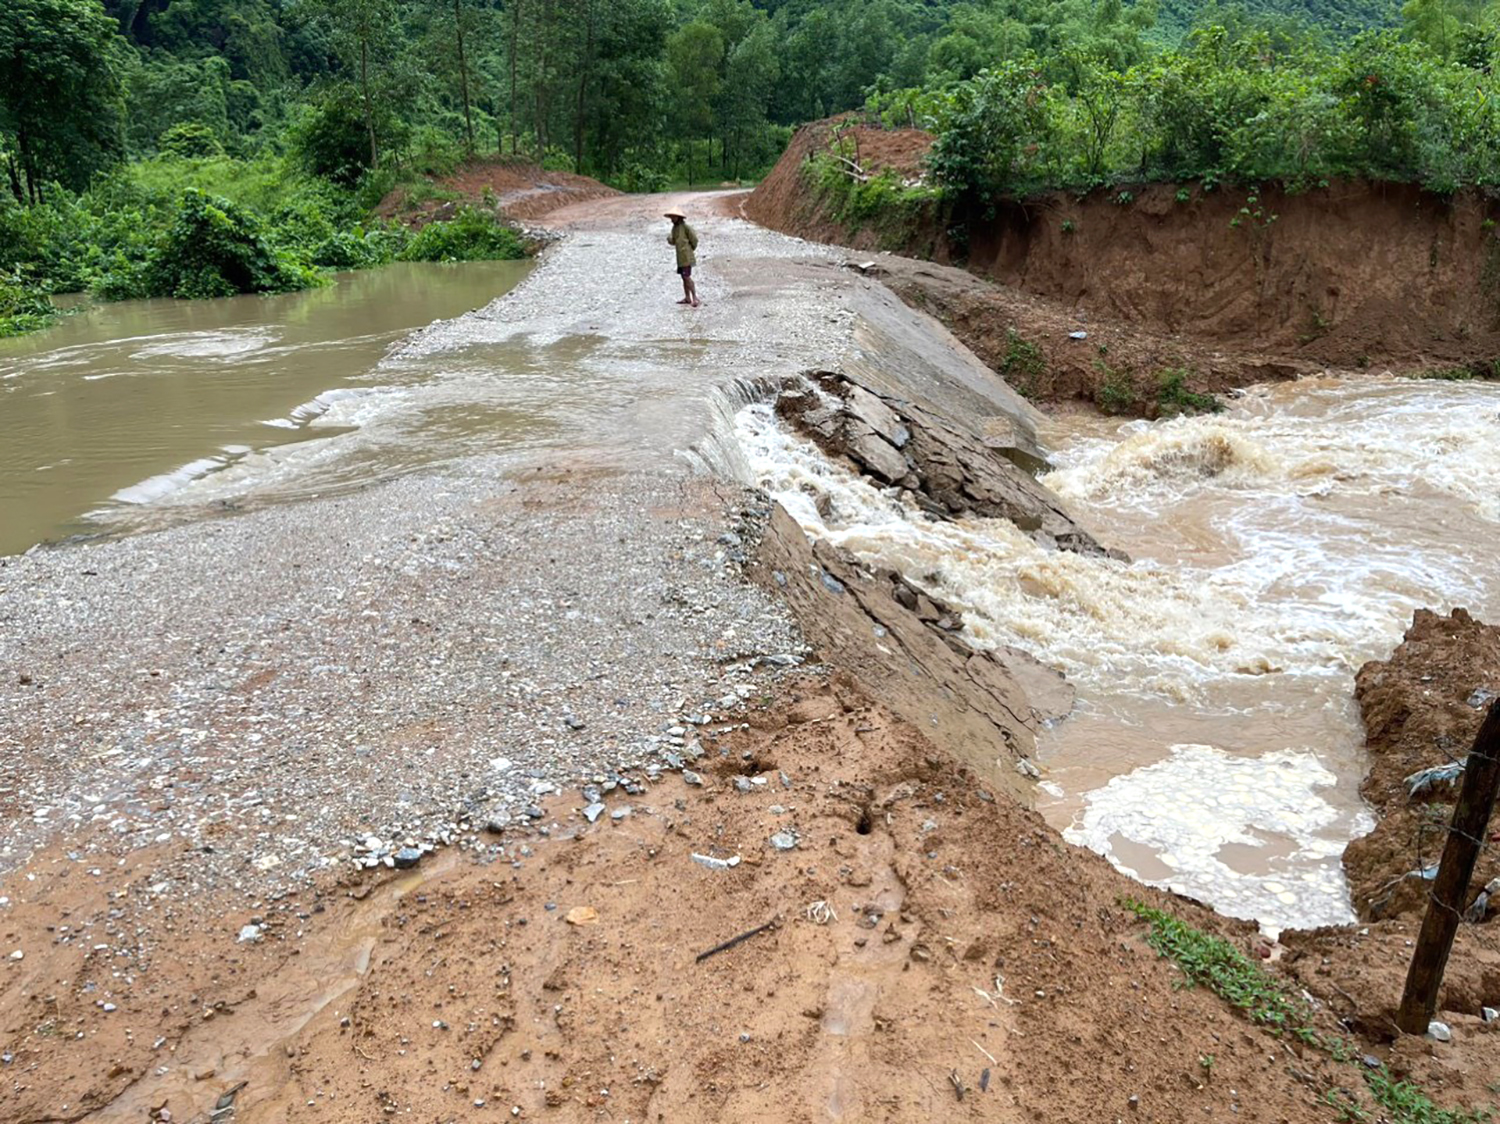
[1228,285]
[517,189]
[1421,709]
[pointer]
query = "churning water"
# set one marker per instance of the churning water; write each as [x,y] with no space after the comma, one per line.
[1215,746]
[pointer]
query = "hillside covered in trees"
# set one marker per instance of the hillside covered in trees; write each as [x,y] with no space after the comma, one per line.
[196,147]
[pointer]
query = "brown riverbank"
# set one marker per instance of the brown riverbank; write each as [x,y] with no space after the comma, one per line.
[1224,287]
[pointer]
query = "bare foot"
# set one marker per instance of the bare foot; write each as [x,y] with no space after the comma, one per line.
[684,300]
[697,304]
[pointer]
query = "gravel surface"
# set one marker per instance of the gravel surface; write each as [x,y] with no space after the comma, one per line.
[310,685]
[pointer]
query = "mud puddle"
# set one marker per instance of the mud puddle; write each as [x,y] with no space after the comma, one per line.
[1215,747]
[249,1048]
[124,406]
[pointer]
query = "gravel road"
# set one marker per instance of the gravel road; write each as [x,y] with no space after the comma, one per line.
[261,695]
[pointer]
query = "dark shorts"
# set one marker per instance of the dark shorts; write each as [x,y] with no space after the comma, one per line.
[685,270]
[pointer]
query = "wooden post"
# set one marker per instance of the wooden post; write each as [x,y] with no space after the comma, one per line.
[1450,891]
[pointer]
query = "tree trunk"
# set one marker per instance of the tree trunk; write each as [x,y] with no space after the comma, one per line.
[463,72]
[1450,890]
[540,123]
[364,86]
[515,46]
[583,81]
[28,167]
[13,170]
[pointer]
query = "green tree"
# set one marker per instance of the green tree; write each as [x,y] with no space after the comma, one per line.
[997,134]
[60,111]
[364,35]
[694,54]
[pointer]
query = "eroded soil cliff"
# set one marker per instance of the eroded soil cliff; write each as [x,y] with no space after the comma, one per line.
[1231,285]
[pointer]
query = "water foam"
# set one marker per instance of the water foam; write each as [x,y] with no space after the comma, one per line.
[1143,624]
[1364,436]
[1281,544]
[1234,800]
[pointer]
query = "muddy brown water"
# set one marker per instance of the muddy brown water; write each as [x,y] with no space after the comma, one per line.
[1215,746]
[122,406]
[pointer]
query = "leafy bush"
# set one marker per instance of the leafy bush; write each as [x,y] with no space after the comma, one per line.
[471,235]
[882,200]
[1116,393]
[329,138]
[22,307]
[1023,364]
[191,140]
[1173,397]
[213,248]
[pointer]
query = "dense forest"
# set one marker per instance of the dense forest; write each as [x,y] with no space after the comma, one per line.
[201,147]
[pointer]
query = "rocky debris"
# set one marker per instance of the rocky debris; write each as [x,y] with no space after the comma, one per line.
[891,636]
[716,864]
[1486,901]
[949,471]
[784,841]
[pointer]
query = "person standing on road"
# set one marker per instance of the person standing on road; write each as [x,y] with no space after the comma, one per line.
[685,239]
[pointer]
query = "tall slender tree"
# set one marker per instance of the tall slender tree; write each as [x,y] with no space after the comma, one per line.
[364,36]
[60,110]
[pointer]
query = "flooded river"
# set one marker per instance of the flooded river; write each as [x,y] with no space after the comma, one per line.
[1215,746]
[108,417]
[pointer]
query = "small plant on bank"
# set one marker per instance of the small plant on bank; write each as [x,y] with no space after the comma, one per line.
[1214,963]
[1173,396]
[1022,365]
[1253,214]
[1116,394]
[1184,194]
[1211,962]
[1069,226]
[1479,371]
[1405,1102]
[470,235]
[1124,199]
[22,307]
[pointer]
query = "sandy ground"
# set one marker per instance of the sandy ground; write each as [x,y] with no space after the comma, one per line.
[558,679]
[520,190]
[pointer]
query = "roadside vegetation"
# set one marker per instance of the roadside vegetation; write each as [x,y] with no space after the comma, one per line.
[1244,105]
[1211,962]
[294,119]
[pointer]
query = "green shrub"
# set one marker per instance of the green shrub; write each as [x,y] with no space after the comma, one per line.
[1116,394]
[22,307]
[190,139]
[1023,364]
[1173,397]
[883,200]
[213,248]
[1474,372]
[329,137]
[470,235]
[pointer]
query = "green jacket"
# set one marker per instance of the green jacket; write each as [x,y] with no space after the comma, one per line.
[685,238]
